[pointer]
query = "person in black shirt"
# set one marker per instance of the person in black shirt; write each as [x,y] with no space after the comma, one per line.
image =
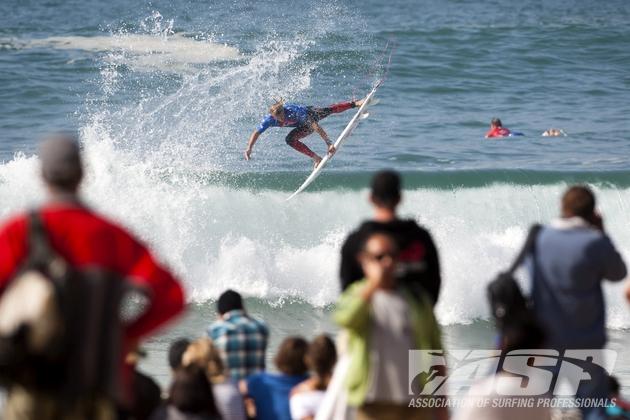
[419,265]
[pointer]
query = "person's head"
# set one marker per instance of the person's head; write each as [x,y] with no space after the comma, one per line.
[496,122]
[61,164]
[175,352]
[552,132]
[229,301]
[147,396]
[290,356]
[204,354]
[277,110]
[385,189]
[191,392]
[321,356]
[378,259]
[578,201]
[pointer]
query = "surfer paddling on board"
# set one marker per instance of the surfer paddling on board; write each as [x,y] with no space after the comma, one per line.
[304,119]
[497,130]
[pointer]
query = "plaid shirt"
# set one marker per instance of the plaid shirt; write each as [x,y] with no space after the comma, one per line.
[242,341]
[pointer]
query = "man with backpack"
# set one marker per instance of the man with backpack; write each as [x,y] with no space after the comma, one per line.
[573,255]
[571,258]
[72,368]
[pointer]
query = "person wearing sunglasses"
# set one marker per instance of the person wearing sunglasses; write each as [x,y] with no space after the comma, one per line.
[304,120]
[383,322]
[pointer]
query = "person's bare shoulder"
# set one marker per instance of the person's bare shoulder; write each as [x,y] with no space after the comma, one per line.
[304,386]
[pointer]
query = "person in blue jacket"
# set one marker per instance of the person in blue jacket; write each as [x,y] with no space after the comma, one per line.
[304,120]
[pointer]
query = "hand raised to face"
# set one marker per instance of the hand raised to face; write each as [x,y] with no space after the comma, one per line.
[378,260]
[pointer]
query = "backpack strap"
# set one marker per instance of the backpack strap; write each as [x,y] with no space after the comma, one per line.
[43,258]
[528,247]
[40,253]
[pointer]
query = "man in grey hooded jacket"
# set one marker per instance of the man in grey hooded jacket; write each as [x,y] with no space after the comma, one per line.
[573,255]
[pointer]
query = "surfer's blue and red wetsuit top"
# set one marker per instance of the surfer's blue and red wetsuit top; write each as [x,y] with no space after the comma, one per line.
[300,117]
[498,132]
[294,116]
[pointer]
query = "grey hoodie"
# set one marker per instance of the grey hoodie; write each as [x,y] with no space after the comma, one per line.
[571,260]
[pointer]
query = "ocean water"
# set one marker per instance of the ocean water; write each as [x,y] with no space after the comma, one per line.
[166,93]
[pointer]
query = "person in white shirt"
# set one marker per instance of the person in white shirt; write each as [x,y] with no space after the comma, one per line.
[307,396]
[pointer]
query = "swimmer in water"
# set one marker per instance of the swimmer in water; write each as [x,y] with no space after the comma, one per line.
[554,132]
[304,120]
[497,129]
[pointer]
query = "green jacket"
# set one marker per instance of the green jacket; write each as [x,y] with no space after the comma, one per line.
[352,313]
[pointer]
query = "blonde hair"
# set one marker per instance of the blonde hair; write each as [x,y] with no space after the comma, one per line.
[277,106]
[204,354]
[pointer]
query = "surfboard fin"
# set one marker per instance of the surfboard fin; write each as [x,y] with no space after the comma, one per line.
[374,101]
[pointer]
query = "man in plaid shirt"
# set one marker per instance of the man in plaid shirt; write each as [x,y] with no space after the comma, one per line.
[241,339]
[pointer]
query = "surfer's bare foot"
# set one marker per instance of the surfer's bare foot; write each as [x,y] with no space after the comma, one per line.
[358,103]
[316,161]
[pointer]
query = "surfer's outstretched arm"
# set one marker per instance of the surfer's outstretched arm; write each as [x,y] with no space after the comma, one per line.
[250,144]
[318,128]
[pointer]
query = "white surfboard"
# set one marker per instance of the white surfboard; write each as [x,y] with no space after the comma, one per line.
[360,115]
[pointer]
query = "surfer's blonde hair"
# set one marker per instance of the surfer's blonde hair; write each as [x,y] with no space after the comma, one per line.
[277,107]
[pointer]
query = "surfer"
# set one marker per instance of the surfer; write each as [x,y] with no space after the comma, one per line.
[304,120]
[554,132]
[497,130]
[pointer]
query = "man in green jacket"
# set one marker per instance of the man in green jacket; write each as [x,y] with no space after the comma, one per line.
[384,322]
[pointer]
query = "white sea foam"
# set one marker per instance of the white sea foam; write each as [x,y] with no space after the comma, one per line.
[218,237]
[145,52]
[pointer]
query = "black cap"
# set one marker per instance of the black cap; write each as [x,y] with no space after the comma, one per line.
[229,301]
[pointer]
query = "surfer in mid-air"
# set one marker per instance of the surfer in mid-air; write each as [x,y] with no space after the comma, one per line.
[304,119]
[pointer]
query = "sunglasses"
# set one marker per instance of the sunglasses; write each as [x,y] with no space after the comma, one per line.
[381,256]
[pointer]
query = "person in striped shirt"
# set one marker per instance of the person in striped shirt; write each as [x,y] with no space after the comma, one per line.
[240,338]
